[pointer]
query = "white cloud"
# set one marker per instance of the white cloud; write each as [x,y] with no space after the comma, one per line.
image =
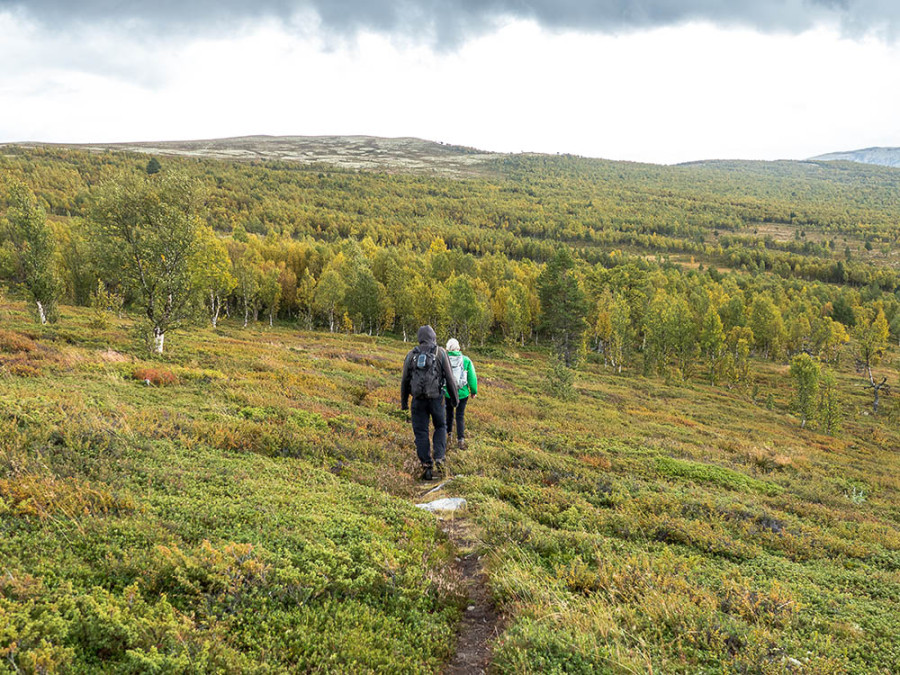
[664,95]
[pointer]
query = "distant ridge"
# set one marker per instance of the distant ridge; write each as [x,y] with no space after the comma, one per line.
[370,153]
[879,156]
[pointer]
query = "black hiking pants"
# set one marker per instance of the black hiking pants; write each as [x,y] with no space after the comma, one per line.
[460,416]
[423,411]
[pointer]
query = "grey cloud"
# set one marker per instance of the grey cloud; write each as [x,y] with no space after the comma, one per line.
[452,21]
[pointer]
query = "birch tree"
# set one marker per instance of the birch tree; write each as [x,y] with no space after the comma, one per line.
[805,373]
[212,271]
[871,332]
[246,262]
[35,250]
[148,227]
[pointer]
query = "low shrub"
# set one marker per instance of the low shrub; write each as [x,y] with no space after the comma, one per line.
[158,377]
[710,473]
[13,342]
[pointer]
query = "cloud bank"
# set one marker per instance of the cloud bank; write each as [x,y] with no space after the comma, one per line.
[450,22]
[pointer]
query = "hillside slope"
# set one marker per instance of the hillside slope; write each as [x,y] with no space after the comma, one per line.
[370,153]
[253,512]
[879,156]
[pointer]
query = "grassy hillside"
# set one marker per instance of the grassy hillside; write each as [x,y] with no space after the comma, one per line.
[245,502]
[251,510]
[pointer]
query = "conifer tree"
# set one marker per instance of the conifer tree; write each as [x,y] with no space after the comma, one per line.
[563,306]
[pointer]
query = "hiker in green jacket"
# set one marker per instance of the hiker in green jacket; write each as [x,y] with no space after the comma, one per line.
[467,382]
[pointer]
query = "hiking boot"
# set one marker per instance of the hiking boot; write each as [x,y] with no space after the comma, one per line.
[440,469]
[426,473]
[461,443]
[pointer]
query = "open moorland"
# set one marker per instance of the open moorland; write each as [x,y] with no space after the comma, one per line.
[653,482]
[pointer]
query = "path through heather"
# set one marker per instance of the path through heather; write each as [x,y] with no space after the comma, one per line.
[481,623]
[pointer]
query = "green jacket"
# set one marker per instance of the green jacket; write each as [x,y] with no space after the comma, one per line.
[472,385]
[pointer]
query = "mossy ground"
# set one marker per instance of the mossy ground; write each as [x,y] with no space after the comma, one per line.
[251,510]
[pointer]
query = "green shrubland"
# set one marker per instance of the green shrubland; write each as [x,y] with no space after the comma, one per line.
[254,513]
[651,485]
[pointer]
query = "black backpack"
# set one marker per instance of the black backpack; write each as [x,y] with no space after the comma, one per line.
[427,376]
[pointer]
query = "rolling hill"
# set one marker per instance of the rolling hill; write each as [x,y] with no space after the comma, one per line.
[368,153]
[246,500]
[879,156]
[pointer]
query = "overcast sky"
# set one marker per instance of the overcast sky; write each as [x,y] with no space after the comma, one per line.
[653,80]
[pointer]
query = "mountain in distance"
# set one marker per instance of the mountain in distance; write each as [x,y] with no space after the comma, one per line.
[392,155]
[879,156]
[368,153]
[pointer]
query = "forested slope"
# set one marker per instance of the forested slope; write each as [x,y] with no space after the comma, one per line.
[684,451]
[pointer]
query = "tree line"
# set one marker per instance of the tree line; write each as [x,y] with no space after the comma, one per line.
[144,242]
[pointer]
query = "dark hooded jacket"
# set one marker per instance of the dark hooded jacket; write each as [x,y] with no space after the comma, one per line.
[427,339]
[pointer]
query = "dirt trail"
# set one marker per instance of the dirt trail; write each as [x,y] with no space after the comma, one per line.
[481,623]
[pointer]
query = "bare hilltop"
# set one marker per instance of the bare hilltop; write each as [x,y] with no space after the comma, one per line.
[369,153]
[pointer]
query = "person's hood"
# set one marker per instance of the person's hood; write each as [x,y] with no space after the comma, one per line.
[426,336]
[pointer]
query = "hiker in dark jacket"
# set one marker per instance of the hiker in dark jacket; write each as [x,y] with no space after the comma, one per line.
[425,370]
[467,387]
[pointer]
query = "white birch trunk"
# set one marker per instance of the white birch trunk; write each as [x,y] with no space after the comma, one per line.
[215,305]
[41,312]
[159,338]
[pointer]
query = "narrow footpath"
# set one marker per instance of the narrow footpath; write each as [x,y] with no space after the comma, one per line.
[481,624]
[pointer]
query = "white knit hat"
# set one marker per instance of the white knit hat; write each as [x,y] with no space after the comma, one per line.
[452,345]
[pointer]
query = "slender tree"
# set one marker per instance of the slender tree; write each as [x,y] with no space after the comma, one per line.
[712,342]
[34,252]
[213,272]
[767,325]
[805,374]
[463,308]
[830,409]
[306,288]
[621,334]
[364,298]
[270,290]
[245,262]
[329,296]
[871,332]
